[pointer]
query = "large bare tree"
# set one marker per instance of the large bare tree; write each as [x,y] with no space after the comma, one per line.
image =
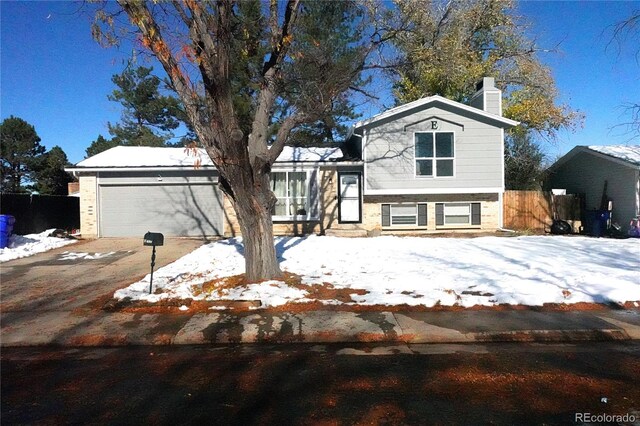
[625,31]
[249,73]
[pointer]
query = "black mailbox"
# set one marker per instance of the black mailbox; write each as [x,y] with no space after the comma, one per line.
[153,239]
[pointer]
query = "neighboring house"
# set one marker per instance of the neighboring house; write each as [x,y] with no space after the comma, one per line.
[428,166]
[584,170]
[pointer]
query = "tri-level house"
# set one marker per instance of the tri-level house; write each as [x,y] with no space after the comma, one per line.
[432,165]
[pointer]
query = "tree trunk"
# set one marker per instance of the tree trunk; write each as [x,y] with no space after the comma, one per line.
[253,205]
[260,258]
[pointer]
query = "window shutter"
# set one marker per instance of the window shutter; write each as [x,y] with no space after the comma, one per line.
[475,213]
[422,215]
[439,214]
[314,194]
[386,215]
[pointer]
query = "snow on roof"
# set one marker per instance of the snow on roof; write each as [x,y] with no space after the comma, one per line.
[292,154]
[145,156]
[629,153]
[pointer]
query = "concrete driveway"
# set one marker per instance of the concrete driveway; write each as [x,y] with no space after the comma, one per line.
[74,276]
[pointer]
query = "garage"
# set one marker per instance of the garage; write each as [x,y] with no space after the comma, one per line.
[175,204]
[128,191]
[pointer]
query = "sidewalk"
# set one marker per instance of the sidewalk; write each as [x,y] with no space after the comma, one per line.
[76,328]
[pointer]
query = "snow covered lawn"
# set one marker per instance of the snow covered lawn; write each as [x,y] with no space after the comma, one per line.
[529,270]
[28,245]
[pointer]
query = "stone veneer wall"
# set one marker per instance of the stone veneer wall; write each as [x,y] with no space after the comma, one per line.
[371,212]
[88,206]
[489,221]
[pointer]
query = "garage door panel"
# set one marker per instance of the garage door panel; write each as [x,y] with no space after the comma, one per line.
[174,210]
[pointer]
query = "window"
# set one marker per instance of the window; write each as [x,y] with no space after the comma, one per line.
[458,214]
[291,190]
[404,214]
[434,154]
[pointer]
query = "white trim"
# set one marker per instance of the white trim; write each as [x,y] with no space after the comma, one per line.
[364,159]
[300,164]
[98,211]
[501,193]
[136,169]
[436,98]
[300,218]
[502,157]
[421,191]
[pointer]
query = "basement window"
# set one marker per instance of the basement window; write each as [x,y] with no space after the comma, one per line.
[458,214]
[404,215]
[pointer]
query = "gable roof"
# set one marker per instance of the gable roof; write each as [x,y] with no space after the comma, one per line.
[420,103]
[626,155]
[143,157]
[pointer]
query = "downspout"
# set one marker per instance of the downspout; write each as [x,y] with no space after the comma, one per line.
[501,194]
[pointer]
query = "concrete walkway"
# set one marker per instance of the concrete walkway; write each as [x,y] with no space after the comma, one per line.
[69,328]
[55,298]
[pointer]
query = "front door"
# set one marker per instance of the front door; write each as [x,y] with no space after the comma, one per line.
[349,209]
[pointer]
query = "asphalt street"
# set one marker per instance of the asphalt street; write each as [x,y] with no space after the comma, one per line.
[497,383]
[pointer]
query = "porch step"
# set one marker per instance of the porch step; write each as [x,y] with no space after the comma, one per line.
[349,233]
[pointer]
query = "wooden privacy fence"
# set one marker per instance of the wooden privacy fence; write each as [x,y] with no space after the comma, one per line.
[534,210]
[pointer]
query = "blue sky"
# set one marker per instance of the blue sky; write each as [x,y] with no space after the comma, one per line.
[53,75]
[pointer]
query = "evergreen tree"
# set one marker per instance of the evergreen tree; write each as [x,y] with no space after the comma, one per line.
[148,116]
[99,145]
[50,177]
[20,152]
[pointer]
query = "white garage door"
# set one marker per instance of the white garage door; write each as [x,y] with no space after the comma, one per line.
[173,209]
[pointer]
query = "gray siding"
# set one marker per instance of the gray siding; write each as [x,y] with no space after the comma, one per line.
[174,203]
[493,102]
[390,158]
[585,173]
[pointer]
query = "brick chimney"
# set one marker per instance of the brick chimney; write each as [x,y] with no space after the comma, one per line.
[487,97]
[73,188]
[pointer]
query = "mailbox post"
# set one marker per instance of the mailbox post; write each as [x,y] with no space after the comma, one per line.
[152,239]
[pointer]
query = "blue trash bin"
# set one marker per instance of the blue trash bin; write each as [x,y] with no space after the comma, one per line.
[592,224]
[597,221]
[6,228]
